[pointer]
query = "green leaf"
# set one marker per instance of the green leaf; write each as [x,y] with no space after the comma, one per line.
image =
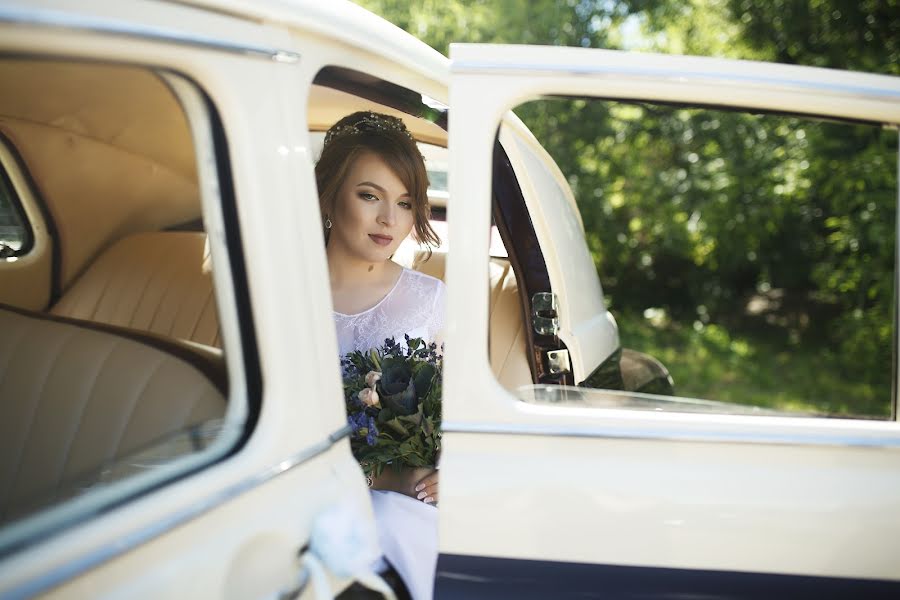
[375,359]
[423,378]
[397,426]
[403,403]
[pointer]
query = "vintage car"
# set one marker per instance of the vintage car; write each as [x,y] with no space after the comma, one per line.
[171,420]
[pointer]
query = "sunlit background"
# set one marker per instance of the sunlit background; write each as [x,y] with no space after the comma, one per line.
[753,255]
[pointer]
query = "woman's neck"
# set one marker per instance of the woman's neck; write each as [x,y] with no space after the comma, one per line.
[344,271]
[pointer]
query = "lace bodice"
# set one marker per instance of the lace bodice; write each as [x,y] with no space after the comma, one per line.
[414,306]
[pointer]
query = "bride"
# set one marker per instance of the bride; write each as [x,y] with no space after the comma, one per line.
[372,193]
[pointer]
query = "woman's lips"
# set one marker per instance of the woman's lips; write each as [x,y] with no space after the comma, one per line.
[381,240]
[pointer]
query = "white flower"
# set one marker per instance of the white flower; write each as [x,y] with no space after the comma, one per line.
[369,397]
[372,378]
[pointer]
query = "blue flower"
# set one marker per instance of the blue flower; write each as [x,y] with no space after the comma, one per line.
[372,433]
[358,421]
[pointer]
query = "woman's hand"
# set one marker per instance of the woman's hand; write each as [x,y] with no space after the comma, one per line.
[406,480]
[427,488]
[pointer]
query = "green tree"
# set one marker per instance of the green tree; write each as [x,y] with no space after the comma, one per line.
[695,211]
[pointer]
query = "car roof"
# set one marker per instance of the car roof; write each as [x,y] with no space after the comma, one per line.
[342,20]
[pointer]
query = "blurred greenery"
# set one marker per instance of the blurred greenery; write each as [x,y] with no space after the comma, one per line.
[751,369]
[753,255]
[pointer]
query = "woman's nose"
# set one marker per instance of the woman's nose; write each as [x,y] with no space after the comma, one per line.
[387,215]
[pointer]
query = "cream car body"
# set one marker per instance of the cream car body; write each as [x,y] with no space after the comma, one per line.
[725,500]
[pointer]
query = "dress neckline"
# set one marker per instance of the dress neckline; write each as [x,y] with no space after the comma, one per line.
[380,302]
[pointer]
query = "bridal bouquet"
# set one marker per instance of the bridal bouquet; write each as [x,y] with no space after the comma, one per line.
[393,397]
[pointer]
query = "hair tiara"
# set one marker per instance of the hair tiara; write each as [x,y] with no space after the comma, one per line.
[368,122]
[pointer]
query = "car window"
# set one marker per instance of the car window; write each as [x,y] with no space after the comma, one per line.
[13,228]
[747,258]
[121,384]
[436,165]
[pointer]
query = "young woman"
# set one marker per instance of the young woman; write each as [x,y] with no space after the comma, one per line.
[372,194]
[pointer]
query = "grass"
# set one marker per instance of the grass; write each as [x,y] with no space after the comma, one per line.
[753,368]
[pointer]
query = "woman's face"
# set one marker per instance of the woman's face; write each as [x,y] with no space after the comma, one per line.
[373,211]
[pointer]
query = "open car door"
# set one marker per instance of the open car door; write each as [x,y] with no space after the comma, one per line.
[544,499]
[108,108]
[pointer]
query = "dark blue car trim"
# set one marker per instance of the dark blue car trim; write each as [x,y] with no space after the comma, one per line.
[461,576]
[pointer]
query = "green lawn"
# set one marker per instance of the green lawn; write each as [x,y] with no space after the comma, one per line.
[752,368]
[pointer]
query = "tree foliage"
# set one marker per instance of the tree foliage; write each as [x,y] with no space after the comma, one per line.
[701,212]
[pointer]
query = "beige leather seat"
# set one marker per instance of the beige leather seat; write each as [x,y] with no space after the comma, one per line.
[508,343]
[160,282]
[75,399]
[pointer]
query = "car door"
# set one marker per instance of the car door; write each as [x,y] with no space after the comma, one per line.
[237,520]
[565,499]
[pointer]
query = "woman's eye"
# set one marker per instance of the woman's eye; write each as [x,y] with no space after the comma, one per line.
[406,205]
[368,196]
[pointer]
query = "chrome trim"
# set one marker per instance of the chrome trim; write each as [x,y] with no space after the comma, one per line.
[47,581]
[895,335]
[794,438]
[682,77]
[62,20]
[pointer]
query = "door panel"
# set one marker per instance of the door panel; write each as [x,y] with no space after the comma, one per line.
[593,488]
[468,577]
[236,526]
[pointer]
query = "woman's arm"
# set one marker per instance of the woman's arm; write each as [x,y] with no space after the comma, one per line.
[409,481]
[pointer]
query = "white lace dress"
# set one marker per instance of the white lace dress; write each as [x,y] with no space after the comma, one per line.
[407,528]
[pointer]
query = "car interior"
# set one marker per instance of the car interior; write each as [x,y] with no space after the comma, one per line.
[111,338]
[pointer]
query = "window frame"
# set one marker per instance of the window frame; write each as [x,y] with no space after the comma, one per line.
[218,205]
[636,397]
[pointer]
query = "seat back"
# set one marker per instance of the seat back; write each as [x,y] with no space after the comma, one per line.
[75,399]
[158,282]
[508,338]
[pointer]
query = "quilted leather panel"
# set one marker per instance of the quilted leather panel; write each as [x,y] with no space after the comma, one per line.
[160,282]
[508,346]
[74,399]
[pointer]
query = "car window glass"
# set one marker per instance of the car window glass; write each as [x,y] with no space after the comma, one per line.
[747,258]
[121,384]
[13,231]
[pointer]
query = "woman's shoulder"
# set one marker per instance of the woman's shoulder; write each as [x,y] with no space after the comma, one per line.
[423,279]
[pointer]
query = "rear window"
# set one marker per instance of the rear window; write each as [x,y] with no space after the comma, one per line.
[14,232]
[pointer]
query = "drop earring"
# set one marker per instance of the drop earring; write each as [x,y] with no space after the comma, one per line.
[327,223]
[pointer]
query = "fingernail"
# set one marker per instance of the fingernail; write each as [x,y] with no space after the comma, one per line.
[421,495]
[428,500]
[419,487]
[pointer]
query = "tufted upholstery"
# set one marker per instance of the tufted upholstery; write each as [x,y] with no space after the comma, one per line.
[508,349]
[508,343]
[158,282]
[74,398]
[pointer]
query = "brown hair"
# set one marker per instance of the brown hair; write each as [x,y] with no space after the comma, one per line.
[387,137]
